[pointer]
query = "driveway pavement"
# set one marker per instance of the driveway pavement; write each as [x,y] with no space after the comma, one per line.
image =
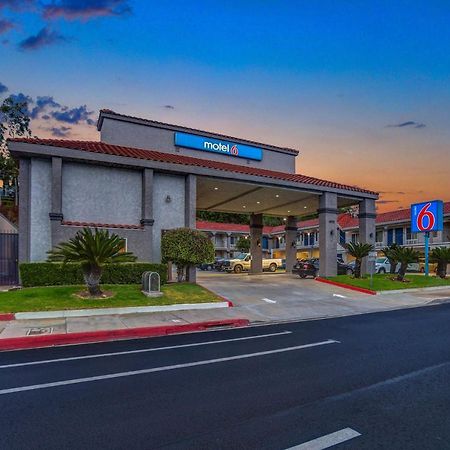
[282,296]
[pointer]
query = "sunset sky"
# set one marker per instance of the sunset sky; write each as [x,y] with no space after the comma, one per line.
[361,88]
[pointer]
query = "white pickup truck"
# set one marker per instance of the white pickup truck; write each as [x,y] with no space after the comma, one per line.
[242,263]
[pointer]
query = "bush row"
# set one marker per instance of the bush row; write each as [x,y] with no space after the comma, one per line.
[51,274]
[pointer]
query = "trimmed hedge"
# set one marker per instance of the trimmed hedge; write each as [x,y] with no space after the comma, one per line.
[52,274]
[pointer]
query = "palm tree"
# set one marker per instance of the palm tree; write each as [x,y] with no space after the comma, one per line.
[389,252]
[359,251]
[92,249]
[441,256]
[405,256]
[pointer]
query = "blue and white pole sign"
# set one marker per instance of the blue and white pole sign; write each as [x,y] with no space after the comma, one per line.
[218,146]
[426,217]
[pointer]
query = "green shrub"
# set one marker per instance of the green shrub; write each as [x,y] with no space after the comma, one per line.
[52,274]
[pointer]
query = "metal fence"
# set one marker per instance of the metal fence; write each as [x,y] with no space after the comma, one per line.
[9,254]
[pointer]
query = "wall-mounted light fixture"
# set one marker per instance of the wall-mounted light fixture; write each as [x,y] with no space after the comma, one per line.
[258,242]
[168,199]
[293,244]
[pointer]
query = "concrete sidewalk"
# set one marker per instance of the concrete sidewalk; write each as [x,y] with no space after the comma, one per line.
[35,327]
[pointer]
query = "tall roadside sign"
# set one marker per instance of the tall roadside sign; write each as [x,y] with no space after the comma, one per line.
[425,218]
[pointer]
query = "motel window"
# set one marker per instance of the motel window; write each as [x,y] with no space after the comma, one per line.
[409,235]
[379,236]
[354,238]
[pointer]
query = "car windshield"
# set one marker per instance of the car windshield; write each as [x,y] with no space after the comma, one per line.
[380,260]
[241,256]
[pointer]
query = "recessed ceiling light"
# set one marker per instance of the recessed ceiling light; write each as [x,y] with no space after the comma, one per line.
[258,203]
[244,206]
[305,207]
[277,196]
[284,218]
[289,210]
[216,188]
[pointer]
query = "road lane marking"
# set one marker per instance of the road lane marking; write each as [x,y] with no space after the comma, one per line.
[339,295]
[161,369]
[268,300]
[146,350]
[329,440]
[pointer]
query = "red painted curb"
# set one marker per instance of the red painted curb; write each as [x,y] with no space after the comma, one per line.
[109,335]
[7,316]
[347,286]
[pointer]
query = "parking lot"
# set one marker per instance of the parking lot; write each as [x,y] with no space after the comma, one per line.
[282,296]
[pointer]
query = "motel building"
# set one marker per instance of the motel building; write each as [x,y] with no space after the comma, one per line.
[391,227]
[144,177]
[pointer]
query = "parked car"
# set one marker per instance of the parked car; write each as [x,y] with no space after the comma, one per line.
[207,266]
[218,264]
[382,265]
[242,263]
[310,267]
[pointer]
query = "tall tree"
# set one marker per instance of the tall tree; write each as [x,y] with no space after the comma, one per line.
[14,122]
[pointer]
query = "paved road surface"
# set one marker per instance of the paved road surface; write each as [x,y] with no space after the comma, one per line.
[374,381]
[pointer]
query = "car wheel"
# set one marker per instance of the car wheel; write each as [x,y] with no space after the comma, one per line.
[209,268]
[422,269]
[237,269]
[302,275]
[349,272]
[382,270]
[273,267]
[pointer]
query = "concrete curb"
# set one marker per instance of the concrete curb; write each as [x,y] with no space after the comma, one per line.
[425,289]
[346,286]
[112,311]
[27,342]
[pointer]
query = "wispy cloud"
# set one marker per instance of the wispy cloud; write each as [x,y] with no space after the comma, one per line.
[409,123]
[169,107]
[44,38]
[43,103]
[17,5]
[74,115]
[3,88]
[384,202]
[6,25]
[85,9]
[60,132]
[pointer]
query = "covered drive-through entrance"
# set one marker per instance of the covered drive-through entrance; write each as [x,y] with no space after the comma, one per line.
[144,177]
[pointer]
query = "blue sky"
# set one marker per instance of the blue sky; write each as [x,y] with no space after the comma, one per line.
[361,88]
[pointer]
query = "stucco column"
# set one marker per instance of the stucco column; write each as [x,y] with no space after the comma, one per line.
[229,244]
[190,209]
[328,234]
[256,227]
[367,216]
[291,243]
[24,209]
[147,219]
[56,215]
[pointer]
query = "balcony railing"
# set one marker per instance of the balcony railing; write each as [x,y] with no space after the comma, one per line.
[412,241]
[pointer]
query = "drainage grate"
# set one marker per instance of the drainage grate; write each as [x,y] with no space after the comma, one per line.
[39,331]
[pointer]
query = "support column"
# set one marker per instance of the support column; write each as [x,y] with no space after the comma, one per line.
[328,234]
[291,243]
[367,216]
[24,209]
[56,215]
[256,226]
[190,208]
[147,219]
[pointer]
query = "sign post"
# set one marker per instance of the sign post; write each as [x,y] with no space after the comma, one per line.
[372,259]
[427,217]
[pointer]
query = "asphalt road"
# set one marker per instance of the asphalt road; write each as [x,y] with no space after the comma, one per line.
[374,381]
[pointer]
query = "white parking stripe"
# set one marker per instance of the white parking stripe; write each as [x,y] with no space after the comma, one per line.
[146,350]
[160,369]
[329,440]
[339,295]
[268,300]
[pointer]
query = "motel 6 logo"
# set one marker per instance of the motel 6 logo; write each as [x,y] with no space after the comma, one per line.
[234,150]
[425,219]
[427,216]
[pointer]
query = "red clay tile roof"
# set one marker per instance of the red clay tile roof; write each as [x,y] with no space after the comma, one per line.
[100,225]
[345,221]
[152,155]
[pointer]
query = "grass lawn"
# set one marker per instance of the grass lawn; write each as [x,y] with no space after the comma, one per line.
[61,297]
[384,282]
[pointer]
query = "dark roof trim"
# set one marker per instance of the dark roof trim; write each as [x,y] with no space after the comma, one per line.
[107,113]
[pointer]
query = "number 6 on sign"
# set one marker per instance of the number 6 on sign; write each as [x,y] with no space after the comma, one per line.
[427,216]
